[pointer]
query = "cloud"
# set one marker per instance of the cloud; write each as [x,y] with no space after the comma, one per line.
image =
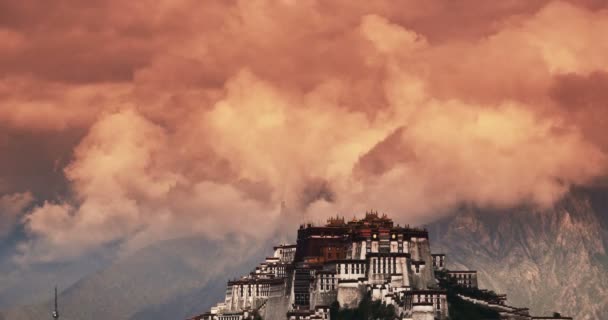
[388,37]
[12,207]
[128,189]
[203,117]
[29,104]
[456,154]
[584,101]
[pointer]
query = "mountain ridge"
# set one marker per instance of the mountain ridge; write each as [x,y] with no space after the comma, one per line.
[149,283]
[548,259]
[553,259]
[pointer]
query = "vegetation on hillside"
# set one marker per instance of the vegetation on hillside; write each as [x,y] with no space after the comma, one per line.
[459,309]
[464,310]
[367,310]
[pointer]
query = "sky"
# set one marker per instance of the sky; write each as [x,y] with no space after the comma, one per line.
[126,123]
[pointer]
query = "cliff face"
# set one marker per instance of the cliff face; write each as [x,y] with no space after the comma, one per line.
[550,260]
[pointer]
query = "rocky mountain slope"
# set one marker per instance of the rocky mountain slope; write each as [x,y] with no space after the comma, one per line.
[550,260]
[169,280]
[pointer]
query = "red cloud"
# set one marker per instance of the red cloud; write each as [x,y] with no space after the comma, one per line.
[200,114]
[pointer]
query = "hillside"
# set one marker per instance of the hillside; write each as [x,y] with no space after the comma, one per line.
[550,260]
[171,279]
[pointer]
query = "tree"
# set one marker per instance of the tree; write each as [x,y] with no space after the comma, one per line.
[366,310]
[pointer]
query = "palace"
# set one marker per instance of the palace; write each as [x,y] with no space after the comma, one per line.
[346,261]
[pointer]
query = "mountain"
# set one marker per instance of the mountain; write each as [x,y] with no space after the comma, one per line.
[552,259]
[169,280]
[33,284]
[548,259]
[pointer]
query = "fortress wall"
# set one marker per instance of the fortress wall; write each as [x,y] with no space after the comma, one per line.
[275,308]
[402,268]
[350,294]
[426,277]
[323,298]
[423,313]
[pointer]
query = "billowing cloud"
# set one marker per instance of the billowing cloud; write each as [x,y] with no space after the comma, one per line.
[584,99]
[203,117]
[128,188]
[12,207]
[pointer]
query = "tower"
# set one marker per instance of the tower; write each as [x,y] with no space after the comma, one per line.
[55,311]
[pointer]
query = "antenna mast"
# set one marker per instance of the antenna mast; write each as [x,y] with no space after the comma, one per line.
[55,311]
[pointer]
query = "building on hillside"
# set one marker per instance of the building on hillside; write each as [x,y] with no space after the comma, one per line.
[464,278]
[347,262]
